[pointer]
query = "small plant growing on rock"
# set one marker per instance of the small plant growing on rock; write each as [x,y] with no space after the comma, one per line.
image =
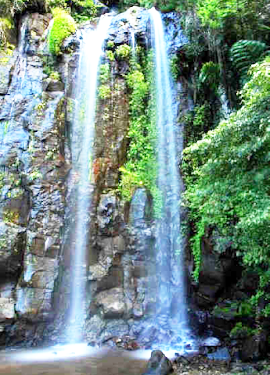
[55,76]
[110,55]
[104,92]
[110,44]
[123,51]
[104,73]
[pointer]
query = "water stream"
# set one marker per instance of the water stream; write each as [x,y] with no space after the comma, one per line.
[82,142]
[171,303]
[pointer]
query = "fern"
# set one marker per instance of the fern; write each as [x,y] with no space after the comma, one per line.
[210,75]
[244,53]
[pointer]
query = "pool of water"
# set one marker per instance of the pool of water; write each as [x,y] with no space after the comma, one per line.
[79,359]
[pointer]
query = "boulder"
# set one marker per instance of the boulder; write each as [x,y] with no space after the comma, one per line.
[112,302]
[254,347]
[158,364]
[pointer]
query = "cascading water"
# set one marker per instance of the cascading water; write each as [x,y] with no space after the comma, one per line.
[171,307]
[82,142]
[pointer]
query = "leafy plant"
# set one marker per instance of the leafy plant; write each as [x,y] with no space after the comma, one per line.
[110,55]
[228,177]
[104,73]
[244,53]
[123,51]
[241,331]
[63,25]
[104,91]
[141,166]
[210,75]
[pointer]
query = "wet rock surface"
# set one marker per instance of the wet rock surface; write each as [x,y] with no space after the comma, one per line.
[32,174]
[158,364]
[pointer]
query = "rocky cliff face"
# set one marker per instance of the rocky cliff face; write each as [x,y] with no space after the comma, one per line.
[36,181]
[33,172]
[36,117]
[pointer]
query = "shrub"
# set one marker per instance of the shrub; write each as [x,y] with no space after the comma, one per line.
[63,26]
[123,51]
[228,187]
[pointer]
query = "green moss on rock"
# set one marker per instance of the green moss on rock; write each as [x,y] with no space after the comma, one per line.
[63,26]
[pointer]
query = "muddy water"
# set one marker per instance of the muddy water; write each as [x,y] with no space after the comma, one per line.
[59,362]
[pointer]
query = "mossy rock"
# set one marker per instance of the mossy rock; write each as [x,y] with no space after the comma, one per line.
[62,27]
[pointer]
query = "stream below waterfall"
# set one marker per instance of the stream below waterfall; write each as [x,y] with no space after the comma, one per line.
[82,360]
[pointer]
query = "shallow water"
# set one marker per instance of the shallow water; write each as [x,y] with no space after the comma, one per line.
[67,360]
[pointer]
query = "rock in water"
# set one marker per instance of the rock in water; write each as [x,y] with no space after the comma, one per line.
[158,364]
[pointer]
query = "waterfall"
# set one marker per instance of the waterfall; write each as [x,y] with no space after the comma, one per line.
[83,127]
[171,307]
[133,43]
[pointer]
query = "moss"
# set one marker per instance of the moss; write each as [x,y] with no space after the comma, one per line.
[10,217]
[63,26]
[6,29]
[104,91]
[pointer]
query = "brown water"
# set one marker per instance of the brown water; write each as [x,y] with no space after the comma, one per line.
[41,362]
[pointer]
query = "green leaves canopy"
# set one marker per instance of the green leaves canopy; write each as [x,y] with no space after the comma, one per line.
[229,187]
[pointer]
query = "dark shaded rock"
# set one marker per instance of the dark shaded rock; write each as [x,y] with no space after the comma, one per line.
[54,85]
[108,214]
[158,364]
[12,242]
[254,347]
[71,43]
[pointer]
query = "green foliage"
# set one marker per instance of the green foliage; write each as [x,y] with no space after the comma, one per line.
[227,175]
[7,27]
[110,44]
[210,75]
[163,5]
[212,13]
[241,331]
[110,55]
[83,10]
[197,122]
[241,16]
[244,53]
[104,91]
[123,51]
[141,166]
[10,7]
[63,25]
[104,73]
